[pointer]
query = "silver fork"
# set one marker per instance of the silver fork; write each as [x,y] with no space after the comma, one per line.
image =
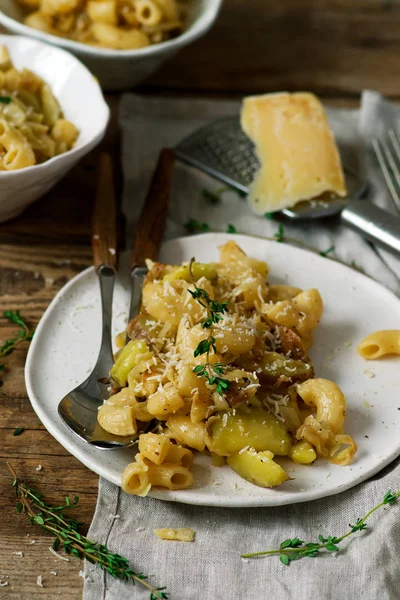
[387,151]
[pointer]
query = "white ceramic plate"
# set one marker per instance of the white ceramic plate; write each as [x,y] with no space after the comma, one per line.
[66,342]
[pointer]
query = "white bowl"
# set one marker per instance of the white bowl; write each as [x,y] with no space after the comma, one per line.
[120,69]
[82,102]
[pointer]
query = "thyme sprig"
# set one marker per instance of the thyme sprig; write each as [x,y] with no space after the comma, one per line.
[294,549]
[66,532]
[24,334]
[213,373]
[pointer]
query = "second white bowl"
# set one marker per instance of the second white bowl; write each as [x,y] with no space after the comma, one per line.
[82,102]
[120,69]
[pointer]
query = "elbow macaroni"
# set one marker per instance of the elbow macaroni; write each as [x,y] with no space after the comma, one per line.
[115,24]
[272,406]
[32,126]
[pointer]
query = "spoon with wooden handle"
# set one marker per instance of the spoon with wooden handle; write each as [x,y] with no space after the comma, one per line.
[79,408]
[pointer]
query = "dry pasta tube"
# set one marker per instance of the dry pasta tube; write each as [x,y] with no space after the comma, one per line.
[380,343]
[201,408]
[169,9]
[148,12]
[104,11]
[282,292]
[19,153]
[111,36]
[185,432]
[179,455]
[310,306]
[154,447]
[135,479]
[165,402]
[170,475]
[118,419]
[183,534]
[328,399]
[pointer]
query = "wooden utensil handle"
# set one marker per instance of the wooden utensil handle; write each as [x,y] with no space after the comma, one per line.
[104,227]
[151,225]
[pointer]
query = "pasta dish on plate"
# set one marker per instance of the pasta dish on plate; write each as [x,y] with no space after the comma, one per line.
[32,125]
[218,362]
[115,24]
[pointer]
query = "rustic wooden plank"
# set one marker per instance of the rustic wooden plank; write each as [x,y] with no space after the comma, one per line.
[331,48]
[21,572]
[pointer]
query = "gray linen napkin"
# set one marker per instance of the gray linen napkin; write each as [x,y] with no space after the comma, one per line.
[211,567]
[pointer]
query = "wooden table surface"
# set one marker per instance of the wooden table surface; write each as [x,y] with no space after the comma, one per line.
[332,47]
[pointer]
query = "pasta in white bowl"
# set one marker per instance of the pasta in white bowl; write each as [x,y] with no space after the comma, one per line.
[45,129]
[118,57]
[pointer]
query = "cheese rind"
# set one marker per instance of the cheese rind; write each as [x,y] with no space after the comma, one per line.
[297,150]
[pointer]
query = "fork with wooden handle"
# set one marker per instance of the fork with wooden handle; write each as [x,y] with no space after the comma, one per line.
[79,408]
[151,226]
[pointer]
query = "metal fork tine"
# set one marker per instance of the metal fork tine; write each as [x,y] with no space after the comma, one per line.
[384,157]
[395,142]
[395,171]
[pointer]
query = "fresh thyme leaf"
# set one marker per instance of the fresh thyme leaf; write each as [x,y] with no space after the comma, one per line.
[269,215]
[279,236]
[14,317]
[18,430]
[218,307]
[65,530]
[202,348]
[294,549]
[326,252]
[359,526]
[5,99]
[222,385]
[332,547]
[389,498]
[193,226]
[231,229]
[24,334]
[215,310]
[284,559]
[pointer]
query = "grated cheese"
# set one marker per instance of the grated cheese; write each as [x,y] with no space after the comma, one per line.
[58,555]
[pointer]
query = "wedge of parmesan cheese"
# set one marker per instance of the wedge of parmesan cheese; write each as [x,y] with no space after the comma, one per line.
[297,150]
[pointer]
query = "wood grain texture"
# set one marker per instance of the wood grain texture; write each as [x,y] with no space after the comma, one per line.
[104,221]
[152,221]
[331,46]
[29,278]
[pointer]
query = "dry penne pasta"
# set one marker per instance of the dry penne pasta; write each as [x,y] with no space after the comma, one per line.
[380,343]
[220,360]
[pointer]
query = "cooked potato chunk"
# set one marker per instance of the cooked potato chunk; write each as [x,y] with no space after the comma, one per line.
[258,468]
[231,432]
